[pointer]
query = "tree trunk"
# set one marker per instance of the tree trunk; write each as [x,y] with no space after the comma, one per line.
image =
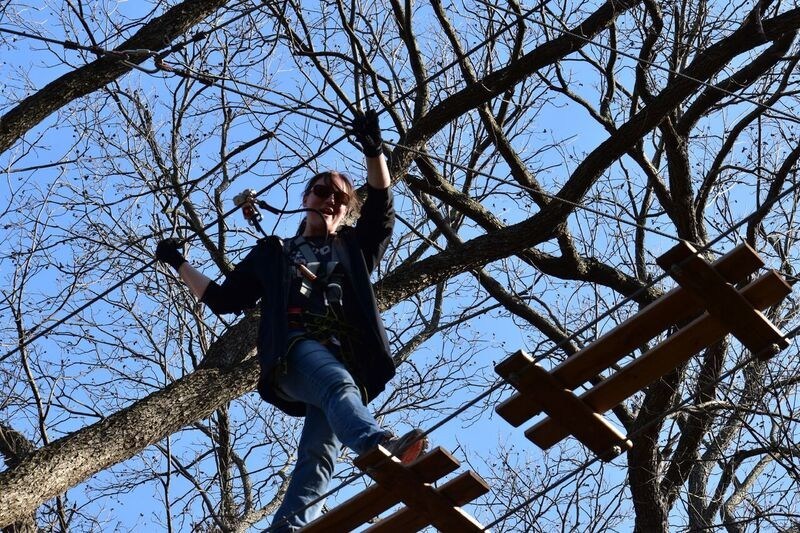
[52,469]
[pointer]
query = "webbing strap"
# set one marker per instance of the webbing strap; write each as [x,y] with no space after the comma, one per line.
[313,264]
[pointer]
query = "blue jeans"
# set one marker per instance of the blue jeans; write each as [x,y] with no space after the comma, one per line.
[335,415]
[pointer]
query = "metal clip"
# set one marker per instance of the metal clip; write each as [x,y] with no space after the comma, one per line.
[333,294]
[247,201]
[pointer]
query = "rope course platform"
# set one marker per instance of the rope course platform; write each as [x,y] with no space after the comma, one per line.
[409,484]
[704,309]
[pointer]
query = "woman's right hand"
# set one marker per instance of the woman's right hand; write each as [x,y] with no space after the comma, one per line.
[167,252]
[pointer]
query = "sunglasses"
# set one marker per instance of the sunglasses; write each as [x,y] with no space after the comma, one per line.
[325,191]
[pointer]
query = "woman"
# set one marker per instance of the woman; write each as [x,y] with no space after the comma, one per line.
[322,346]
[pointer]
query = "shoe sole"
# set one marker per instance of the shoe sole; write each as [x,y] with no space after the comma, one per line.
[414,450]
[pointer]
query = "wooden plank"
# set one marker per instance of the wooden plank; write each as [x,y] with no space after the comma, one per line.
[674,307]
[513,365]
[540,387]
[767,290]
[376,499]
[387,471]
[721,299]
[459,490]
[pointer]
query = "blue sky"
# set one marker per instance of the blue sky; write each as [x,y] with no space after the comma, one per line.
[479,344]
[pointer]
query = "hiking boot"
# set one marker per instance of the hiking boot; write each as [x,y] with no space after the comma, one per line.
[408,447]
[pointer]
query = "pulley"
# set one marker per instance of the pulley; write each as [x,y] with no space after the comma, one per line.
[247,201]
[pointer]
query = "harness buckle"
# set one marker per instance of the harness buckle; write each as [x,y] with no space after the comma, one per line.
[333,294]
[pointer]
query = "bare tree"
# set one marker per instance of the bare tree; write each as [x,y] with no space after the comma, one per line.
[542,157]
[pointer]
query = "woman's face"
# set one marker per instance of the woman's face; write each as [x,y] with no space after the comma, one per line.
[328,199]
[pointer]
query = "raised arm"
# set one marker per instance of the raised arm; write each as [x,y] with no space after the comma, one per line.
[367,131]
[376,222]
[378,172]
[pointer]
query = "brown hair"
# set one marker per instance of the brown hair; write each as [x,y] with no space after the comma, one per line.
[353,208]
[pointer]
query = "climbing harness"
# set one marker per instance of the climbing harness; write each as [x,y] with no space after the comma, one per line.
[317,280]
[249,203]
[324,275]
[324,323]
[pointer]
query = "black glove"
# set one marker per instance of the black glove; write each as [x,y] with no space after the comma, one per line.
[167,252]
[367,131]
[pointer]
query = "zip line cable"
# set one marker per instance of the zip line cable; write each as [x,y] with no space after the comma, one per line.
[125,55]
[72,45]
[211,79]
[521,17]
[526,17]
[214,80]
[204,78]
[502,29]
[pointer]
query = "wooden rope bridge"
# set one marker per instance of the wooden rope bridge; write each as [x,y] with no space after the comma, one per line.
[411,485]
[705,308]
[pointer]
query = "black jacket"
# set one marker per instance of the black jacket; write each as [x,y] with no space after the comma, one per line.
[264,274]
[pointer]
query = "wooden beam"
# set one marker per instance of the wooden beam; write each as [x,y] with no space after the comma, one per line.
[674,307]
[538,386]
[767,290]
[722,300]
[376,499]
[460,490]
[388,472]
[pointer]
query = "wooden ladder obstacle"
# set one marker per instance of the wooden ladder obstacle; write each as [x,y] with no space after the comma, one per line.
[706,299]
[411,485]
